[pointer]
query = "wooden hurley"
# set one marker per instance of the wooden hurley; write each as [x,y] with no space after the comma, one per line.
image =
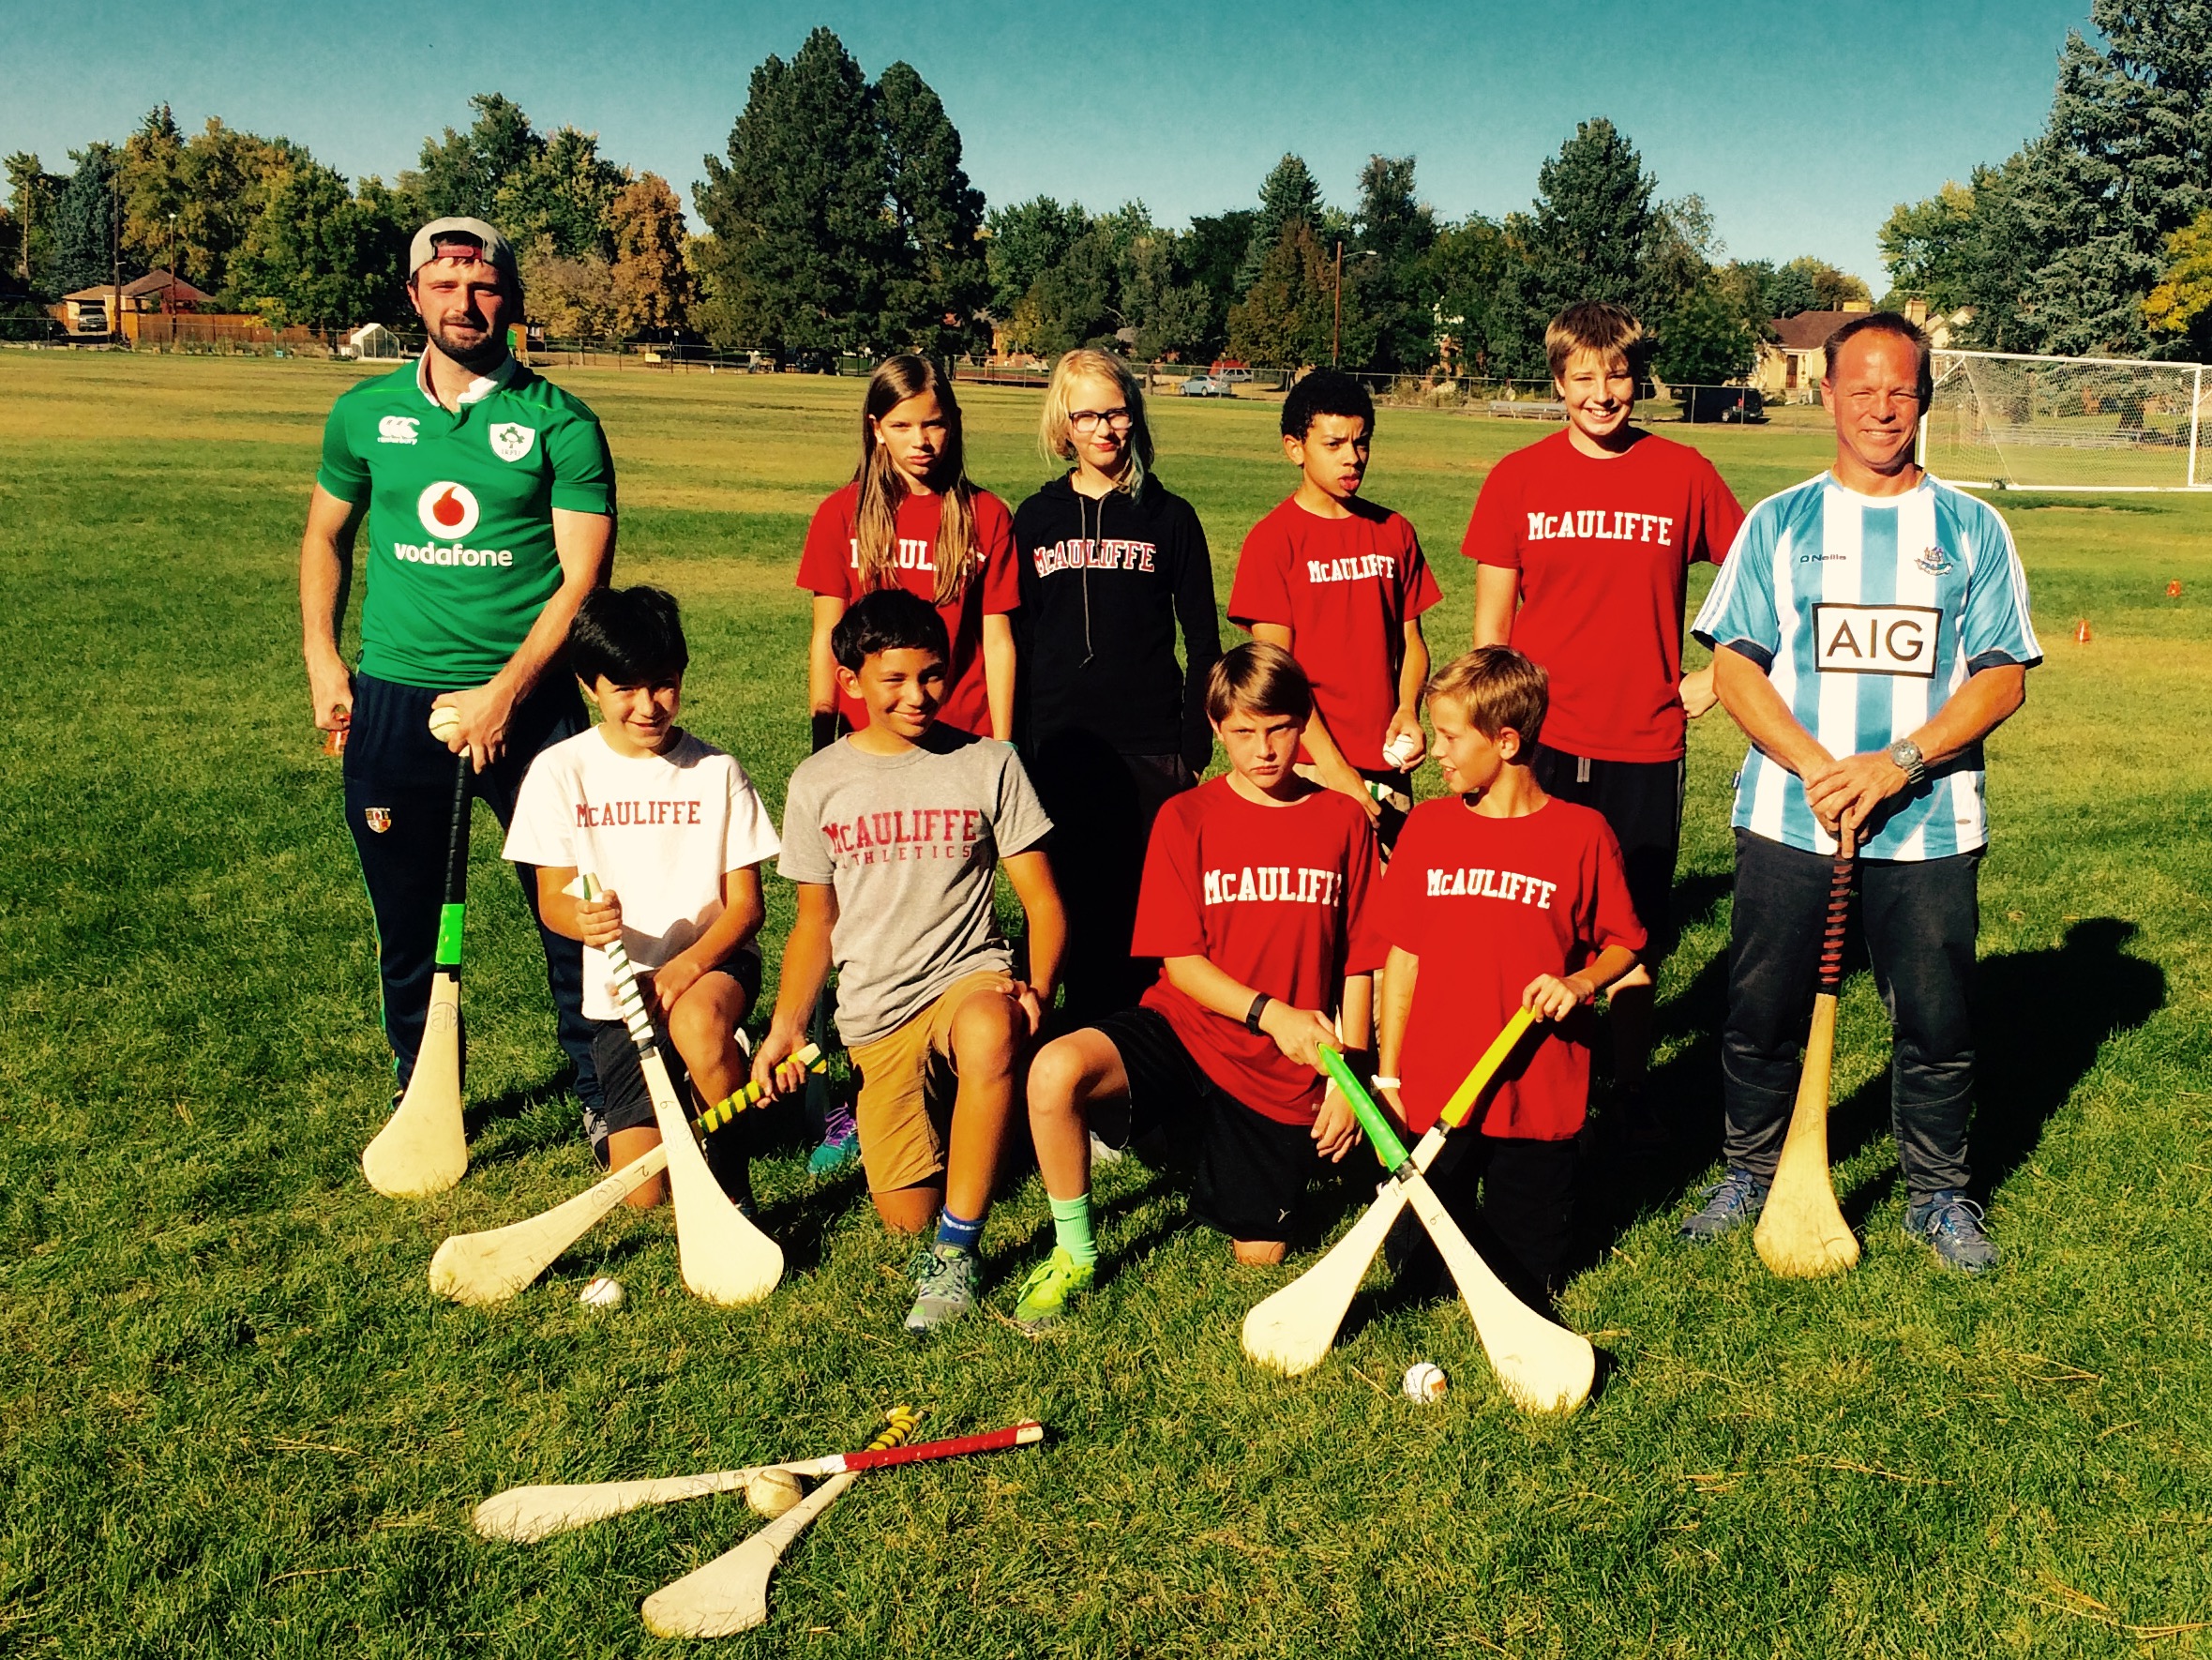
[1801,1232]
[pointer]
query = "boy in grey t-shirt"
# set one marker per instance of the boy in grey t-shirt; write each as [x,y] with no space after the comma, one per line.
[892,835]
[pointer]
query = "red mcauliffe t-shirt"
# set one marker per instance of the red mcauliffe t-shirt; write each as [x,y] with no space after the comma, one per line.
[1277,896]
[1605,549]
[830,564]
[1346,588]
[1488,904]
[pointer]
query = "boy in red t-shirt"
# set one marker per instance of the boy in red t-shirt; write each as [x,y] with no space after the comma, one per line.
[1340,583]
[1499,896]
[1583,542]
[1254,893]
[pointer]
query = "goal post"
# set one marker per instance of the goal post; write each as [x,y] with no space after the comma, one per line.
[2012,421]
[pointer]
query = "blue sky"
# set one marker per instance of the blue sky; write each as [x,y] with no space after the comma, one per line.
[1802,126]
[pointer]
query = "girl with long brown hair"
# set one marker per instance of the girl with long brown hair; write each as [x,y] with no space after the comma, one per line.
[910,519]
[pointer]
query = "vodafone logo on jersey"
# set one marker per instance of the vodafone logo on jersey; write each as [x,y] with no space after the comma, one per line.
[448,509]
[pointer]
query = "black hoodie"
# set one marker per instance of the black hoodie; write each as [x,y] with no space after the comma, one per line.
[1103,584]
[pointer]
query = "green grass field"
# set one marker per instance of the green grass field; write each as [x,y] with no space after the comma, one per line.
[232,1420]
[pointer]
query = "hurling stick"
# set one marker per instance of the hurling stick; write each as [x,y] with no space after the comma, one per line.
[1543,1368]
[422,1148]
[1294,1329]
[723,1258]
[493,1265]
[1801,1232]
[731,1594]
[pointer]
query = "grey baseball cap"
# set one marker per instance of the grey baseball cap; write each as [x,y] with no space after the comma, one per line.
[495,251]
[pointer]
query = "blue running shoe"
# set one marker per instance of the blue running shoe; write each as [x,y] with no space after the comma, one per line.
[840,1141]
[1734,1200]
[1949,1224]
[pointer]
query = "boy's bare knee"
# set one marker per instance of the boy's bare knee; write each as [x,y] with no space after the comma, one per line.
[986,1034]
[1056,1075]
[1264,1252]
[910,1210]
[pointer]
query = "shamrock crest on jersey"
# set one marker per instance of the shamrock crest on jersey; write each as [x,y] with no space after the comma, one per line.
[511,441]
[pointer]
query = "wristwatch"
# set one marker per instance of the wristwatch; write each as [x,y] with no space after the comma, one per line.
[1252,1015]
[1906,755]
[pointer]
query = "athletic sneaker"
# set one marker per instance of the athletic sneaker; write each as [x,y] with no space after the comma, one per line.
[1729,1203]
[1102,1152]
[1050,1287]
[1950,1224]
[840,1141]
[944,1288]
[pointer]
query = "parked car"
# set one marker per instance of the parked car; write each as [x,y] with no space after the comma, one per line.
[1205,386]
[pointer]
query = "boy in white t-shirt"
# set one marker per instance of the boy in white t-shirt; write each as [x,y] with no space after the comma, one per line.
[675,834]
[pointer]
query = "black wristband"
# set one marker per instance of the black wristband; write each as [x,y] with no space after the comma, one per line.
[824,730]
[1252,1015]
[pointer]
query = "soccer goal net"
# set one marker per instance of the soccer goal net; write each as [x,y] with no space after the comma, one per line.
[2066,423]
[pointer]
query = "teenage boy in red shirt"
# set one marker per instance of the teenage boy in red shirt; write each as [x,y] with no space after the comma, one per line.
[1340,583]
[1583,542]
[1255,889]
[1500,897]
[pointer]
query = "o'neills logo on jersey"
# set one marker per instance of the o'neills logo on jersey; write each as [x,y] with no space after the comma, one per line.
[1077,553]
[1277,885]
[906,833]
[643,815]
[448,509]
[1597,524]
[1480,882]
[1363,569]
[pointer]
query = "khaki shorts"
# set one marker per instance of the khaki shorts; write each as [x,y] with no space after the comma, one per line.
[907,1083]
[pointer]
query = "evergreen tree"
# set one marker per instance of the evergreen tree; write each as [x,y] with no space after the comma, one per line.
[1587,240]
[150,179]
[1288,317]
[462,173]
[1287,196]
[802,231]
[85,222]
[1210,252]
[1394,233]
[937,283]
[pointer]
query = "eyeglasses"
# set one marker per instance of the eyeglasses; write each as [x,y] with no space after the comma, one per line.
[1087,421]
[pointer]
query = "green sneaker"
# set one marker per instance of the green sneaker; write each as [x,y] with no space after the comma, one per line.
[944,1288]
[1050,1287]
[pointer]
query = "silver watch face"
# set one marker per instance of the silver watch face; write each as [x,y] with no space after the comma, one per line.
[1906,753]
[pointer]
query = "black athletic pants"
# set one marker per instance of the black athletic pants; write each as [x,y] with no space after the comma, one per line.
[1101,805]
[399,809]
[1514,1198]
[1919,919]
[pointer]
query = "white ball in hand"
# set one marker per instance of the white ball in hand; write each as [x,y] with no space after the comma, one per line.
[1404,751]
[444,722]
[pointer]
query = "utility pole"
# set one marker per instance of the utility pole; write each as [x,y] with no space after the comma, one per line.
[1336,327]
[115,251]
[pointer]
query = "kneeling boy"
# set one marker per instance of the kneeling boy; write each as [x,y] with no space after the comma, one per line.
[675,834]
[1255,887]
[1499,898]
[892,835]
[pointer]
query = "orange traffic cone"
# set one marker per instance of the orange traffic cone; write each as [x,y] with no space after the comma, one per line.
[2173,590]
[2081,634]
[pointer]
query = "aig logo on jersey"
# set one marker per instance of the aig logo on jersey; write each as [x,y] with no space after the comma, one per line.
[396,430]
[448,509]
[511,441]
[1875,639]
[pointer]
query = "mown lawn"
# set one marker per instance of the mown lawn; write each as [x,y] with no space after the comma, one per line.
[233,1420]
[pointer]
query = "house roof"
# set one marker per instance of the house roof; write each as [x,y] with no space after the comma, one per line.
[1808,331]
[155,283]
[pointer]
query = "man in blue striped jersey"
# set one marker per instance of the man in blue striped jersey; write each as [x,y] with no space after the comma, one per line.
[1869,630]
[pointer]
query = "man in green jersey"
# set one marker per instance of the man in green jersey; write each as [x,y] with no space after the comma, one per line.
[489,497]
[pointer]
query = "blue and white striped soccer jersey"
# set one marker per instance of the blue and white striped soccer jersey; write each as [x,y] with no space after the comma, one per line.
[1866,613]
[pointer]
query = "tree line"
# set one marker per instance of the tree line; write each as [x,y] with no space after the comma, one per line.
[2095,237]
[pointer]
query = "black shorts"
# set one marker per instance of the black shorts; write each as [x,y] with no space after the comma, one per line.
[1253,1170]
[1642,801]
[622,1074]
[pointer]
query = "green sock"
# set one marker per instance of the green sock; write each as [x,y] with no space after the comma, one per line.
[1071,1227]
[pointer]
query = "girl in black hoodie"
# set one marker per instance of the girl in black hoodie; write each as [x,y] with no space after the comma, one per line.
[1111,561]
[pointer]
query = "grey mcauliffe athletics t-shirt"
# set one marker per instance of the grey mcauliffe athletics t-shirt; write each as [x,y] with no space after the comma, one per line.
[910,843]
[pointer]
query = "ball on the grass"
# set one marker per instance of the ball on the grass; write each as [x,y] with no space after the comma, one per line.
[774,1491]
[601,1294]
[444,722]
[1425,1382]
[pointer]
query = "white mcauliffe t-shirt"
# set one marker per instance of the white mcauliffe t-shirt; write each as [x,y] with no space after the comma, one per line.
[659,831]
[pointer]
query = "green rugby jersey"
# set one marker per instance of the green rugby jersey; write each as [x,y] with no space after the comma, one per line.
[461,552]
